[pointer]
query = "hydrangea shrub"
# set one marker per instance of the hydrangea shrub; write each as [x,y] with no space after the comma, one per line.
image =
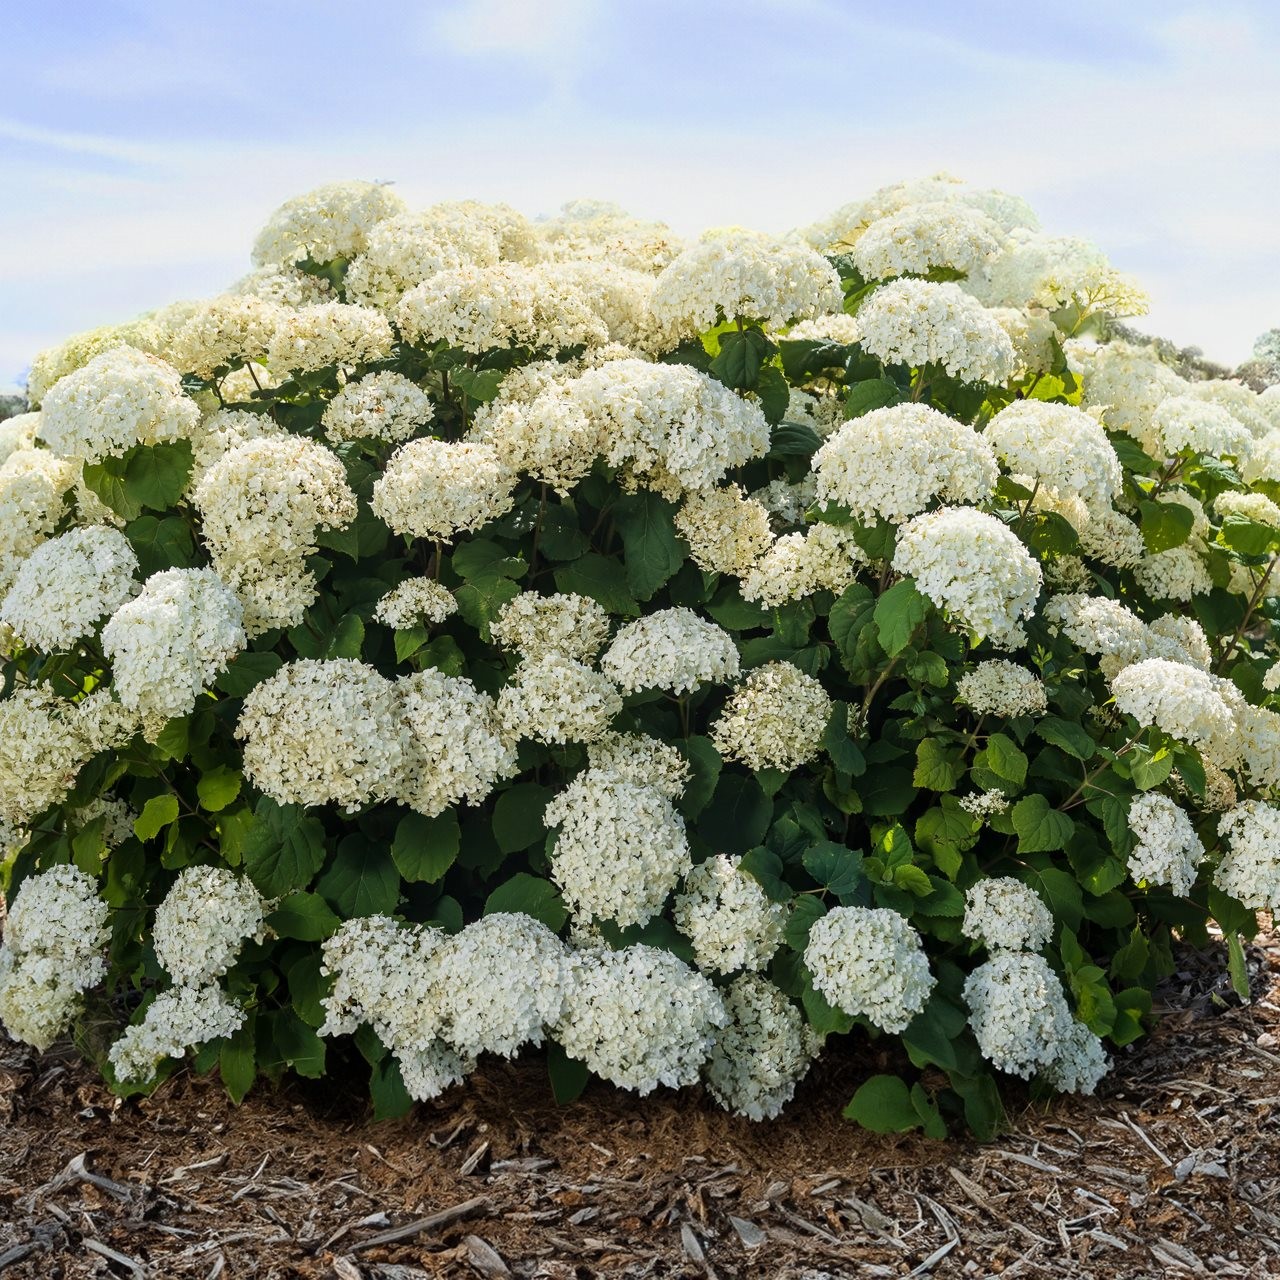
[468,634]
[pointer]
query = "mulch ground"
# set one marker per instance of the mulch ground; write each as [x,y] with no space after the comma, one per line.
[1173,1169]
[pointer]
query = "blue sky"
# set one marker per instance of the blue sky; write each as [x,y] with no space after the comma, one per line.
[142,143]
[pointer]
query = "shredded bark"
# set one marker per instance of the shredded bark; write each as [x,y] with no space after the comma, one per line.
[1172,1169]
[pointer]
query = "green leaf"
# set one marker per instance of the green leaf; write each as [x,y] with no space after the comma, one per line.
[308,987]
[484,558]
[533,895]
[874,393]
[482,385]
[600,577]
[248,671]
[1060,891]
[806,911]
[305,916]
[347,639]
[887,790]
[1248,537]
[283,849]
[297,1044]
[645,520]
[218,787]
[156,474]
[774,394]
[106,479]
[836,867]
[793,440]
[884,1105]
[390,1098]
[517,816]
[1004,761]
[1040,828]
[913,880]
[409,641]
[1074,739]
[705,763]
[898,613]
[741,355]
[1236,967]
[569,1077]
[425,848]
[738,815]
[481,601]
[237,1062]
[362,880]
[983,1109]
[851,612]
[156,814]
[1165,525]
[938,766]
[161,544]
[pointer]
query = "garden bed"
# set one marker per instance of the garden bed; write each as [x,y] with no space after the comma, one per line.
[1174,1168]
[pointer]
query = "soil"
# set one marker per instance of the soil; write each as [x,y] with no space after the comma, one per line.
[1172,1169]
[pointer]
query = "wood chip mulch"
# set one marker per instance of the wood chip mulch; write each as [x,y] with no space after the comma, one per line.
[1172,1170]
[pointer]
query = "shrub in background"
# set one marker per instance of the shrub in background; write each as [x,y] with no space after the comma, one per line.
[467,633]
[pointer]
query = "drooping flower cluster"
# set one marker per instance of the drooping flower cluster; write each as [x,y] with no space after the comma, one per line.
[1250,868]
[728,917]
[1166,848]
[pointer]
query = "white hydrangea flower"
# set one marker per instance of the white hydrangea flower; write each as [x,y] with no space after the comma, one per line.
[972,565]
[917,323]
[414,601]
[118,818]
[728,917]
[787,503]
[45,740]
[379,406]
[478,308]
[437,489]
[1251,506]
[224,331]
[1185,422]
[1018,1012]
[985,804]
[1176,574]
[870,962]
[1034,337]
[58,914]
[1100,626]
[732,273]
[1002,688]
[639,1017]
[169,643]
[596,229]
[920,237]
[1250,868]
[331,333]
[727,532]
[775,719]
[1271,678]
[175,1021]
[455,748]
[672,649]
[763,1053]
[428,1070]
[620,850]
[203,921]
[262,504]
[648,762]
[669,426]
[286,285]
[838,327]
[1111,538]
[332,221]
[892,463]
[1167,850]
[1058,446]
[1081,1061]
[67,585]
[1005,915]
[220,431]
[324,731]
[557,699]
[1183,702]
[120,398]
[37,1000]
[825,557]
[502,980]
[1180,638]
[1264,460]
[535,625]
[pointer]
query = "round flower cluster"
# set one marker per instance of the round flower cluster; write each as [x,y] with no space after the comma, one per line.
[436,489]
[825,557]
[728,917]
[918,323]
[869,962]
[727,532]
[413,602]
[1185,422]
[648,762]
[169,643]
[973,566]
[333,221]
[639,1017]
[1183,702]
[672,649]
[999,687]
[203,921]
[557,699]
[1057,446]
[1005,915]
[379,406]
[536,626]
[920,237]
[620,848]
[892,463]
[53,941]
[1250,868]
[67,585]
[175,1021]
[119,399]
[763,1051]
[774,720]
[1166,848]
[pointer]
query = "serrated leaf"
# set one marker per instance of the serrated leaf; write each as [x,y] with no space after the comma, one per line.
[646,523]
[884,1105]
[218,787]
[305,916]
[156,814]
[938,766]
[531,895]
[1040,828]
[283,848]
[1074,739]
[899,612]
[425,848]
[362,879]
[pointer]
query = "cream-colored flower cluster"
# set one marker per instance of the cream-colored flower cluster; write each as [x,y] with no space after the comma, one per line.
[1005,915]
[379,406]
[672,649]
[1002,688]
[728,917]
[1166,848]
[774,720]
